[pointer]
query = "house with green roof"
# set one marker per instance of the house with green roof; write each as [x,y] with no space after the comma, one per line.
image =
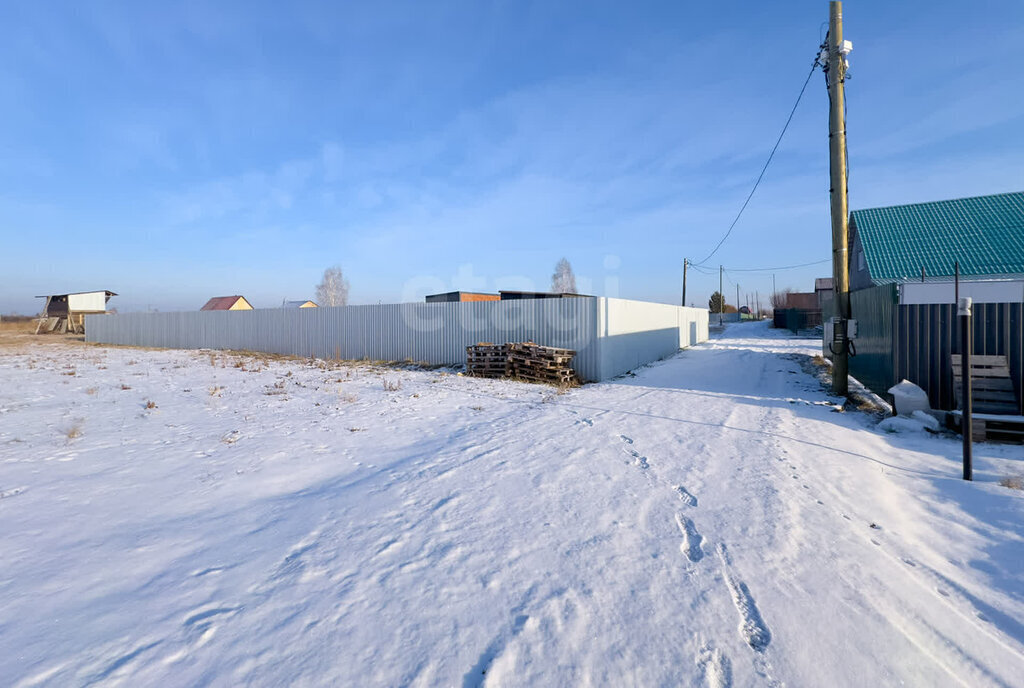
[894,244]
[909,330]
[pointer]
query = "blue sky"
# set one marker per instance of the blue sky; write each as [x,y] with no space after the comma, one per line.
[176,151]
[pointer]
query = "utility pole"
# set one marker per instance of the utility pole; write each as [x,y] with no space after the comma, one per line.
[685,263]
[757,303]
[835,70]
[721,296]
[737,302]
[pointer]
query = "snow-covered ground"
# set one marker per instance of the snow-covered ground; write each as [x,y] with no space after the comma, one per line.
[197,518]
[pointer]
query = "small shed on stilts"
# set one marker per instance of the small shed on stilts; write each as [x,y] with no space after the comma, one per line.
[66,312]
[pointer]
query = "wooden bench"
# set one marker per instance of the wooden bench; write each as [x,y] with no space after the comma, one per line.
[994,407]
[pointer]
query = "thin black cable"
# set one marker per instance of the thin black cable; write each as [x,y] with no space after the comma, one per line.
[780,268]
[765,168]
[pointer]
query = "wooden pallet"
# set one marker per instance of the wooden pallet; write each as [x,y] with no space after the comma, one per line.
[992,427]
[537,351]
[994,406]
[991,386]
[522,360]
[487,363]
[539,363]
[561,379]
[487,370]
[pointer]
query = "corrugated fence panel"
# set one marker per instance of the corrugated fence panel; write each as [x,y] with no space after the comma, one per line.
[874,309]
[434,333]
[927,335]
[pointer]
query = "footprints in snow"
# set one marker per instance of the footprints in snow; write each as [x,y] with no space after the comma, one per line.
[4,494]
[476,676]
[685,495]
[755,632]
[752,626]
[202,621]
[692,540]
[640,461]
[715,666]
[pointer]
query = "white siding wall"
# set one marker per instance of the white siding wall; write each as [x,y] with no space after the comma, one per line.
[630,333]
[981,291]
[90,301]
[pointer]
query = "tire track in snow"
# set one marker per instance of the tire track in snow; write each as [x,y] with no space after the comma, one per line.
[953,658]
[1000,627]
[961,667]
[917,624]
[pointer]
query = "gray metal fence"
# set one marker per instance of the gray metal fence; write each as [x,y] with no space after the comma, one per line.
[926,335]
[606,333]
[874,310]
[914,342]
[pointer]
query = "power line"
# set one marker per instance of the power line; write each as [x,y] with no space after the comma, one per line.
[765,168]
[777,268]
[780,268]
[703,271]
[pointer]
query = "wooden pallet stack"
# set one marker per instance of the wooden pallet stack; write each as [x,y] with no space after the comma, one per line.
[487,360]
[993,399]
[522,360]
[538,363]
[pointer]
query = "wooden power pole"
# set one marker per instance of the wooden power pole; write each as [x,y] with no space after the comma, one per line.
[836,74]
[685,263]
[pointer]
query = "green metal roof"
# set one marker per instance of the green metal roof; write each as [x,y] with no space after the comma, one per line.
[985,233]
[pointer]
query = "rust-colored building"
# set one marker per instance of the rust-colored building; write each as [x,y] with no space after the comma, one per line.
[461,297]
[227,303]
[802,300]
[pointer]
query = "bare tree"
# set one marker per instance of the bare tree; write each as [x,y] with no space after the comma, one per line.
[333,288]
[563,281]
[780,298]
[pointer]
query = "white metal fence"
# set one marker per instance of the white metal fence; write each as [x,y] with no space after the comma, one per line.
[610,336]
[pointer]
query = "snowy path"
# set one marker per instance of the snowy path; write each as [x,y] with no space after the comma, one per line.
[708,521]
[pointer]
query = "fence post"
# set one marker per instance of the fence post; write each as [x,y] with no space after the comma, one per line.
[966,425]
